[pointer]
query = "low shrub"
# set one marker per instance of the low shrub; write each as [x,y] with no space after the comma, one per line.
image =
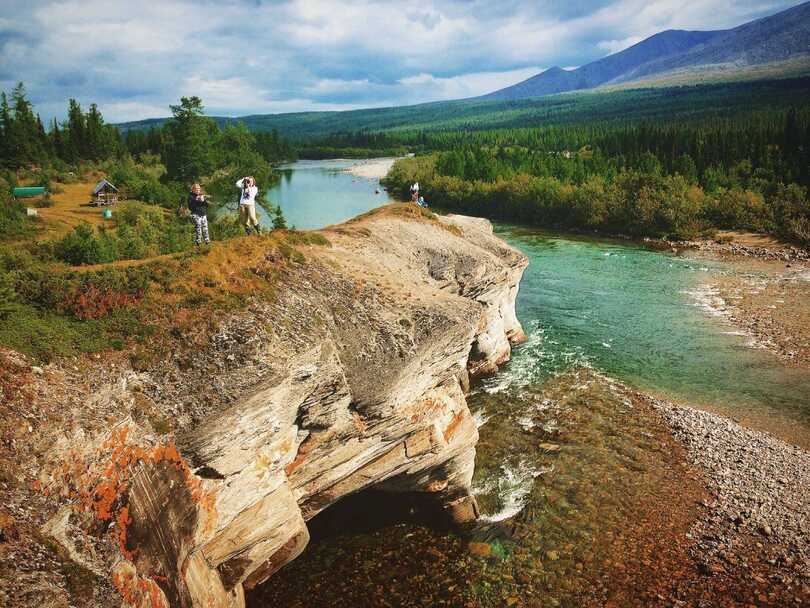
[45,335]
[14,221]
[8,297]
[82,295]
[140,231]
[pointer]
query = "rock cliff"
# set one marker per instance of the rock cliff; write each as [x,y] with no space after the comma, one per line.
[192,479]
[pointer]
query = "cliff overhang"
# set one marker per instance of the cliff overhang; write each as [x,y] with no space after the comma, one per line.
[351,375]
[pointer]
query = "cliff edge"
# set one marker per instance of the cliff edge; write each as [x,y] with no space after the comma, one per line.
[185,480]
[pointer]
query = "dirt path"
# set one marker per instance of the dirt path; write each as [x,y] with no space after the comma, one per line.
[70,208]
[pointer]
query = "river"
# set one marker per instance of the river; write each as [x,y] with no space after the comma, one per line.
[563,461]
[317,193]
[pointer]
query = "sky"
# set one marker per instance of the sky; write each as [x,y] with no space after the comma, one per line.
[134,58]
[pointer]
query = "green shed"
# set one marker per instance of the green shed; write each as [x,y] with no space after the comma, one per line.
[28,191]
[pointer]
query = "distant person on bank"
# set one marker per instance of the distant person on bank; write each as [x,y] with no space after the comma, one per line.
[247,203]
[415,192]
[198,206]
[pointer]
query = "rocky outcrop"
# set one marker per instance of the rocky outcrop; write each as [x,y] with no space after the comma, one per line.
[352,373]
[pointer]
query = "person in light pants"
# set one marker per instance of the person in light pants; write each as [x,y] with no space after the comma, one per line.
[198,206]
[247,203]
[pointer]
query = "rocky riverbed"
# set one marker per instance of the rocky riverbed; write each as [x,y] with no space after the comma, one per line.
[756,523]
[629,501]
[771,302]
[739,244]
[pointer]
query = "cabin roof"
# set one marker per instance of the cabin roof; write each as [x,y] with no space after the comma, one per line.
[102,185]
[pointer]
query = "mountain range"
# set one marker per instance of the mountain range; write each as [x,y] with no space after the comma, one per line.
[673,71]
[776,39]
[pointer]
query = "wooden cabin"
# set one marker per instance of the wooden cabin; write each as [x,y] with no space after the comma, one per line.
[104,194]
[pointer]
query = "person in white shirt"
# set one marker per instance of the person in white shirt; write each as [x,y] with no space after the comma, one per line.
[415,192]
[247,203]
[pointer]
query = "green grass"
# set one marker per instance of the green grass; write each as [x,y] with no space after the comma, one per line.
[45,336]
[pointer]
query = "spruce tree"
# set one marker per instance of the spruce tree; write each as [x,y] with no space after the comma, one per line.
[57,143]
[279,222]
[5,131]
[24,135]
[76,138]
[94,136]
[188,153]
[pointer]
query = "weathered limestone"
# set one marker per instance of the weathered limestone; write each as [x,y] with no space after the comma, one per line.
[365,355]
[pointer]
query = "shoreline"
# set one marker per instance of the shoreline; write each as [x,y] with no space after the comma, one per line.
[755,528]
[759,246]
[769,302]
[375,168]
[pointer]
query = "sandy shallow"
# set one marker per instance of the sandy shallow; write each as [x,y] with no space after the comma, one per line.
[768,300]
[374,168]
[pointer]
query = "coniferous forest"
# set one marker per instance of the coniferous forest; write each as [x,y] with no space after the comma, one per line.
[677,179]
[741,163]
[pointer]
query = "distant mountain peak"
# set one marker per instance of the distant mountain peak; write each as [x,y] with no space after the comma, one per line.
[776,38]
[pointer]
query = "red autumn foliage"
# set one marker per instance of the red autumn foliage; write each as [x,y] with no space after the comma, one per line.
[90,301]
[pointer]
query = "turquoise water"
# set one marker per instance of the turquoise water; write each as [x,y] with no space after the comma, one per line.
[636,315]
[642,317]
[317,193]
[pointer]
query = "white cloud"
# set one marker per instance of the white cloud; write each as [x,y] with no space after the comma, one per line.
[429,87]
[248,56]
[614,46]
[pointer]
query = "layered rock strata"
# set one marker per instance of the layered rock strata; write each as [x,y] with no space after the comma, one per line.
[352,374]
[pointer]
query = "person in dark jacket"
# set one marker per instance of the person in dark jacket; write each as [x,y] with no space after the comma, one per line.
[198,206]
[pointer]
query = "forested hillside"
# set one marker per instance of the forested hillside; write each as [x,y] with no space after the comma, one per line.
[726,99]
[675,178]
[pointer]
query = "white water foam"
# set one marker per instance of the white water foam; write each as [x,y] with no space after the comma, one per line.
[535,358]
[480,418]
[707,297]
[513,489]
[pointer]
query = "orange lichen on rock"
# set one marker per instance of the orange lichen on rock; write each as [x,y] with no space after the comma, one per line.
[137,590]
[456,420]
[101,482]
[312,440]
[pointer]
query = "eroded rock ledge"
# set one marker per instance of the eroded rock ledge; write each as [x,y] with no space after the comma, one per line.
[352,375]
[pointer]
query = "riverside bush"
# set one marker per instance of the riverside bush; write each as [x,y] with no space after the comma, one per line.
[66,292]
[636,202]
[14,221]
[48,313]
[140,231]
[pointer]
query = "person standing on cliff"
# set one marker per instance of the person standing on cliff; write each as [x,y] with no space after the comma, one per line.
[247,203]
[198,206]
[415,192]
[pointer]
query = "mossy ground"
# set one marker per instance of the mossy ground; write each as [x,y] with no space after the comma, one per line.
[61,310]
